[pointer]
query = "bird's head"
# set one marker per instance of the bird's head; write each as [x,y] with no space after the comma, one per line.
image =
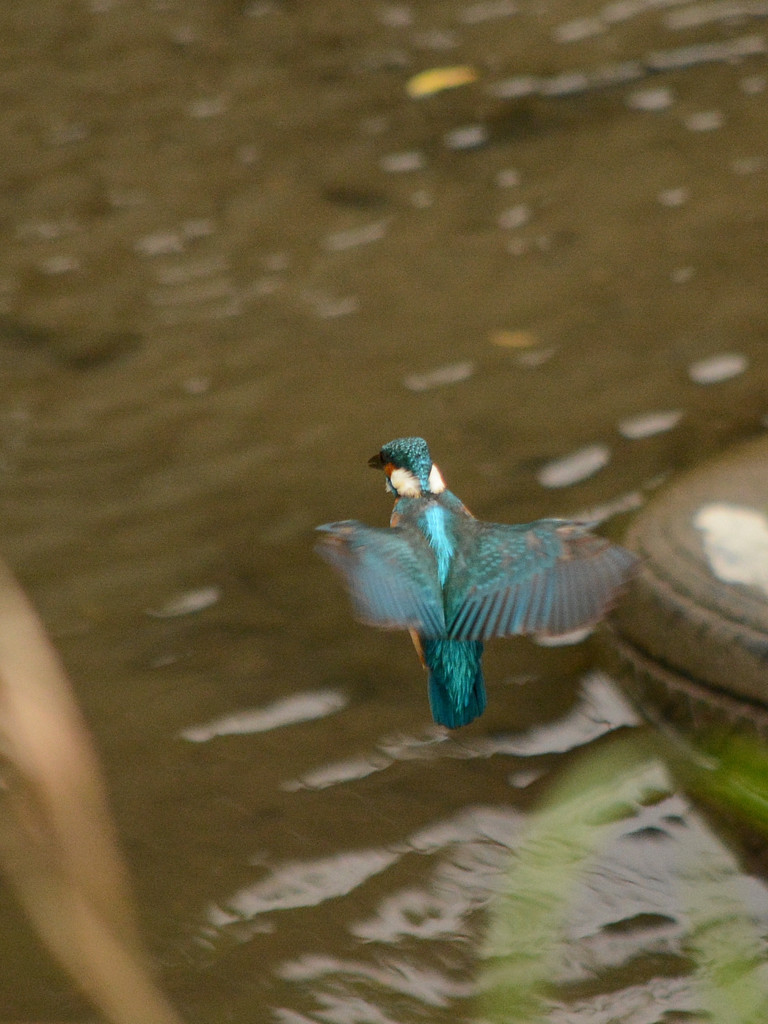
[409,468]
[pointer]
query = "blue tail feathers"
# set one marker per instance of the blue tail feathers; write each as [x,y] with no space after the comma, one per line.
[456,685]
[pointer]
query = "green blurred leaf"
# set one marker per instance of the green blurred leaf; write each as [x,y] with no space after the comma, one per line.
[524,938]
[591,803]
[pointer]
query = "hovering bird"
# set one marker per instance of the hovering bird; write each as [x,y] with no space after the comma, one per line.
[454,581]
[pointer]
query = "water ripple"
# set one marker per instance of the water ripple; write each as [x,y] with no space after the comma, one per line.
[430,987]
[301,707]
[302,884]
[575,467]
[599,710]
[717,368]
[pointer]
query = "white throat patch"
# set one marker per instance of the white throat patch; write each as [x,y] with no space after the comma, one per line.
[405,483]
[436,482]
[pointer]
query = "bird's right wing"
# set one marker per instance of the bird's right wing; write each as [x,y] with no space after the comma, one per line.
[390,573]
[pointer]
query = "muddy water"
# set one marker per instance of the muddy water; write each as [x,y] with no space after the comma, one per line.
[236,258]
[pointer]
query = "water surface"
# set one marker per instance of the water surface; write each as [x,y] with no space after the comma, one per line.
[237,257]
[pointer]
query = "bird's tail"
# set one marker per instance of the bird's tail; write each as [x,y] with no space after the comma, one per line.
[456,685]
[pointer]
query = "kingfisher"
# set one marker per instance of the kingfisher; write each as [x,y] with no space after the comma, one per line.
[454,581]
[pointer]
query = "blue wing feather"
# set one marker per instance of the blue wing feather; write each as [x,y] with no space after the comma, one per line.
[549,577]
[391,575]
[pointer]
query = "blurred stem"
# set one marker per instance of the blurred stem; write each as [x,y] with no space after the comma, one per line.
[57,841]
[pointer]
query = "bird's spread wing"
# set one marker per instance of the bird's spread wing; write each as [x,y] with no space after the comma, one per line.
[549,577]
[390,573]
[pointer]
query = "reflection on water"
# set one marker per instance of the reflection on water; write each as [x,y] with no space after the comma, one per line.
[717,368]
[603,901]
[467,855]
[452,374]
[649,424]
[735,542]
[573,468]
[600,709]
[217,296]
[187,604]
[301,707]
[323,975]
[303,885]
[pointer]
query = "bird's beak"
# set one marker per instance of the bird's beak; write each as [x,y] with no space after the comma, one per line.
[376,461]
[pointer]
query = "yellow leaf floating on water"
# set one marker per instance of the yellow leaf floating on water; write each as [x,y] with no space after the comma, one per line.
[506,338]
[426,83]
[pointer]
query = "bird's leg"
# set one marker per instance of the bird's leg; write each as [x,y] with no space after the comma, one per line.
[419,649]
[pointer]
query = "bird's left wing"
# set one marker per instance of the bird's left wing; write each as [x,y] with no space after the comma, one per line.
[390,573]
[549,577]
